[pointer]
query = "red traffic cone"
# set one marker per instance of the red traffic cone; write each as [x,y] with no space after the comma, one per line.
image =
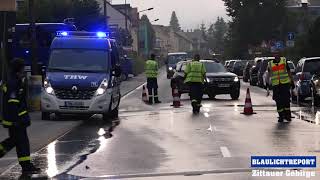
[144,94]
[176,98]
[248,110]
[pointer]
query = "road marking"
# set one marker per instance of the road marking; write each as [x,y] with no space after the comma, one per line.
[131,92]
[225,152]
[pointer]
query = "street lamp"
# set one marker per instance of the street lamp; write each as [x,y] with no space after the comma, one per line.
[149,9]
[155,20]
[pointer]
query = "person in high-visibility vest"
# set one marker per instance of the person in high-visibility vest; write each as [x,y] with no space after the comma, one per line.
[281,81]
[151,71]
[195,74]
[16,118]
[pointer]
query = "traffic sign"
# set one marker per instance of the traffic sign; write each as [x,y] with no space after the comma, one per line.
[290,44]
[279,45]
[290,36]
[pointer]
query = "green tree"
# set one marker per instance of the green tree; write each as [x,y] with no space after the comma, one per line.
[217,35]
[253,22]
[86,12]
[147,35]
[174,22]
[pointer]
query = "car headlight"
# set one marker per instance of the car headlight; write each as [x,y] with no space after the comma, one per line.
[208,80]
[236,79]
[47,86]
[102,88]
[170,68]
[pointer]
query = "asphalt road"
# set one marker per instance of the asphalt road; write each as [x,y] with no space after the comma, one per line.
[160,142]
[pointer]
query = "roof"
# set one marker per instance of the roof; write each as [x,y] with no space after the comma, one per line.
[311,58]
[73,42]
[184,36]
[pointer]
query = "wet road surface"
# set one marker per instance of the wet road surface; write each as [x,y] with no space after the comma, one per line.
[160,142]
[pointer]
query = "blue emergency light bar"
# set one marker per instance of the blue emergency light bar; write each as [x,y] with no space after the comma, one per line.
[98,34]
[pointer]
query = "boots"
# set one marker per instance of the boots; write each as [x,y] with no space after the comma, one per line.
[288,115]
[156,100]
[150,102]
[281,117]
[29,168]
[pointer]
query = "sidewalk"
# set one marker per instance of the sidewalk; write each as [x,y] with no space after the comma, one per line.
[41,133]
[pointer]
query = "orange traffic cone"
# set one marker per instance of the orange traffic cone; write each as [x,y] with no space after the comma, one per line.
[144,94]
[248,110]
[176,98]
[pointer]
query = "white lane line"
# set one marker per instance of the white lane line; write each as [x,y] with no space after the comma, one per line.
[225,152]
[131,92]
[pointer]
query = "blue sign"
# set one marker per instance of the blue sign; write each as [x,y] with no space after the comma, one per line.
[290,36]
[279,45]
[283,161]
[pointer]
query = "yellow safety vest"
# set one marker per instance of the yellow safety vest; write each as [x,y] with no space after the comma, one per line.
[279,74]
[195,72]
[151,69]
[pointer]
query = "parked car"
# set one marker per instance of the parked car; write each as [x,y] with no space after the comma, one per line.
[238,67]
[246,70]
[254,71]
[306,69]
[263,68]
[230,65]
[218,80]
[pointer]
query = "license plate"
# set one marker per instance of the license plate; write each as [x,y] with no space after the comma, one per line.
[73,103]
[223,85]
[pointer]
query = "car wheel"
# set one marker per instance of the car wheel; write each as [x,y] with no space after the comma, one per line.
[124,77]
[45,116]
[235,95]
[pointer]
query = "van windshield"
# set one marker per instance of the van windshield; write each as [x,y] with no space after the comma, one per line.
[78,60]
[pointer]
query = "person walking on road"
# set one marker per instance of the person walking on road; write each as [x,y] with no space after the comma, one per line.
[151,71]
[16,118]
[195,74]
[281,80]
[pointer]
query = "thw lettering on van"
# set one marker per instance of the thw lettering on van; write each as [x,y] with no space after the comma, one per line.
[80,77]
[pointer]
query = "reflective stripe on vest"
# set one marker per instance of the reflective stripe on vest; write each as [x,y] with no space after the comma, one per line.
[151,69]
[196,72]
[279,74]
[7,123]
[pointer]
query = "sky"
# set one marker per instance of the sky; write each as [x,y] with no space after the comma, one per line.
[191,13]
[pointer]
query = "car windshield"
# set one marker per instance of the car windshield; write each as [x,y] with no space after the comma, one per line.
[174,59]
[78,60]
[312,66]
[212,67]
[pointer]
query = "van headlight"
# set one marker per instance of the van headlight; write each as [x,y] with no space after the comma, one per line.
[47,87]
[170,68]
[208,79]
[236,79]
[102,88]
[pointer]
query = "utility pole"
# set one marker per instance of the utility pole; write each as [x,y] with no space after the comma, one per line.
[105,13]
[34,63]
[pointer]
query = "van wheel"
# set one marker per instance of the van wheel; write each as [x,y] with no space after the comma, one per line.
[212,96]
[112,114]
[45,116]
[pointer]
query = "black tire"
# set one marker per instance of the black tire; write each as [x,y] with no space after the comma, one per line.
[235,95]
[45,115]
[112,114]
[124,77]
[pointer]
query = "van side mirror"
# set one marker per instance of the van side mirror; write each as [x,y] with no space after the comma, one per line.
[117,71]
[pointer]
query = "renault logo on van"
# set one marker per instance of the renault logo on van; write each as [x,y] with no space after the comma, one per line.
[74,88]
